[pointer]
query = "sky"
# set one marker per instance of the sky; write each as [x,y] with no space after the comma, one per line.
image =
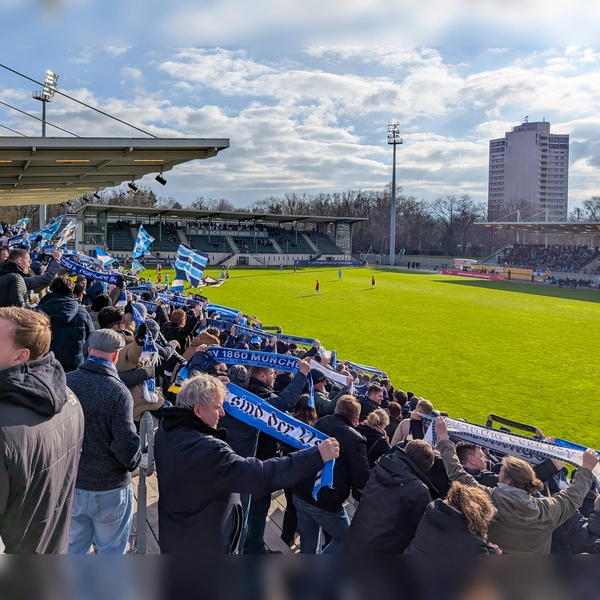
[309,116]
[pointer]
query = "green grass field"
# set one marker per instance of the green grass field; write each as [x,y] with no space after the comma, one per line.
[472,347]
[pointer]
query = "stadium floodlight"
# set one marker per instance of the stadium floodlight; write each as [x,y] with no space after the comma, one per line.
[44,97]
[132,186]
[96,195]
[393,138]
[161,179]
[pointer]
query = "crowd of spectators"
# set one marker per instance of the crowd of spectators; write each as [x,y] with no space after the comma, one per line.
[539,257]
[77,372]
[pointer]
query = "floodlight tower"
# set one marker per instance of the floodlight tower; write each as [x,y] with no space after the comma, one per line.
[393,137]
[44,97]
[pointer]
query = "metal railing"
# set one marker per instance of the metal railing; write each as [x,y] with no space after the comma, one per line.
[146,469]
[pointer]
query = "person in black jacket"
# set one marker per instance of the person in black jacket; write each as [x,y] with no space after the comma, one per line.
[15,279]
[103,504]
[70,323]
[41,433]
[372,400]
[351,472]
[584,534]
[393,502]
[200,476]
[373,429]
[457,525]
[265,446]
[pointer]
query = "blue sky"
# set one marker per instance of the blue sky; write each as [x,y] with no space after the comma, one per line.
[312,118]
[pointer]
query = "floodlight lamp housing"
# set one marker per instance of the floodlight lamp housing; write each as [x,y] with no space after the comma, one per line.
[393,136]
[132,186]
[161,179]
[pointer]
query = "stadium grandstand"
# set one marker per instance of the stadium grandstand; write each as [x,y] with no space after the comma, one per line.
[242,238]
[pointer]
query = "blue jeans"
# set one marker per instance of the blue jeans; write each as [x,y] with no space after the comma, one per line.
[311,518]
[257,521]
[103,518]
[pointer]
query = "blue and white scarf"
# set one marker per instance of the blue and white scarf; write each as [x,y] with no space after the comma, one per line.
[266,360]
[295,339]
[74,267]
[149,357]
[254,411]
[528,449]
[365,369]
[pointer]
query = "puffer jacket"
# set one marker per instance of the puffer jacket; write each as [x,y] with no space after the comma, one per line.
[13,291]
[391,507]
[41,434]
[71,326]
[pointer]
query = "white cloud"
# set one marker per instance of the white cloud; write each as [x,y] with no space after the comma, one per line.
[130,73]
[117,50]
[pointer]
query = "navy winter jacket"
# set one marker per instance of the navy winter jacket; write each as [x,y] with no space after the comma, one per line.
[71,326]
[200,478]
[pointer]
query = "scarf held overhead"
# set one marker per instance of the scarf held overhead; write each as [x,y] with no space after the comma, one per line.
[528,449]
[254,411]
[74,267]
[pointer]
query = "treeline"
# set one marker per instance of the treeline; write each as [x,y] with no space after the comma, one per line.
[446,225]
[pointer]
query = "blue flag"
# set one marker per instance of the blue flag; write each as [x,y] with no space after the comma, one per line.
[142,243]
[50,230]
[190,264]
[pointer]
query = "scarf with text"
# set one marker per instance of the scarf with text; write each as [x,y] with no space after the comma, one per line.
[255,358]
[528,449]
[257,412]
[78,269]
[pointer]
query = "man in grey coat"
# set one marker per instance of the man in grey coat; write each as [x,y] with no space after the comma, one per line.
[41,433]
[103,505]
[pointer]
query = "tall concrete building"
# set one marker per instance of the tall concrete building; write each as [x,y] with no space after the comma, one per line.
[529,163]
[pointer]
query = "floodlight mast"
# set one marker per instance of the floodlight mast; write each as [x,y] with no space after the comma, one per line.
[393,138]
[44,97]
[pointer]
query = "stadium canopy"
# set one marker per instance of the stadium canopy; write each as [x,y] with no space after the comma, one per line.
[45,170]
[547,227]
[191,215]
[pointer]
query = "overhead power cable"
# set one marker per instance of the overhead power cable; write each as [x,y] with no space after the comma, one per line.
[38,119]
[80,102]
[13,130]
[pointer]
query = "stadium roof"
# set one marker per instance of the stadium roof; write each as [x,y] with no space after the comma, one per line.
[174,213]
[44,170]
[547,227]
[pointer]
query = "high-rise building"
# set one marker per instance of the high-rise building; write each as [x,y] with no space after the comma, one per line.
[529,163]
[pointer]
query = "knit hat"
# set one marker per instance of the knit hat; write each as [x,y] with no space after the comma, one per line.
[99,303]
[37,267]
[317,376]
[141,309]
[282,348]
[106,340]
[153,327]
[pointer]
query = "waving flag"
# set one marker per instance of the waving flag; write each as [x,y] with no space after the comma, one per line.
[190,264]
[68,233]
[18,239]
[104,257]
[50,230]
[142,243]
[136,267]
[22,224]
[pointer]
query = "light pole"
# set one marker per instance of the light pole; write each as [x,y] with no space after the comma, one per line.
[44,97]
[393,137]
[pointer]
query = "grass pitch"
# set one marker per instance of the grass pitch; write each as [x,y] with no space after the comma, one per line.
[472,347]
